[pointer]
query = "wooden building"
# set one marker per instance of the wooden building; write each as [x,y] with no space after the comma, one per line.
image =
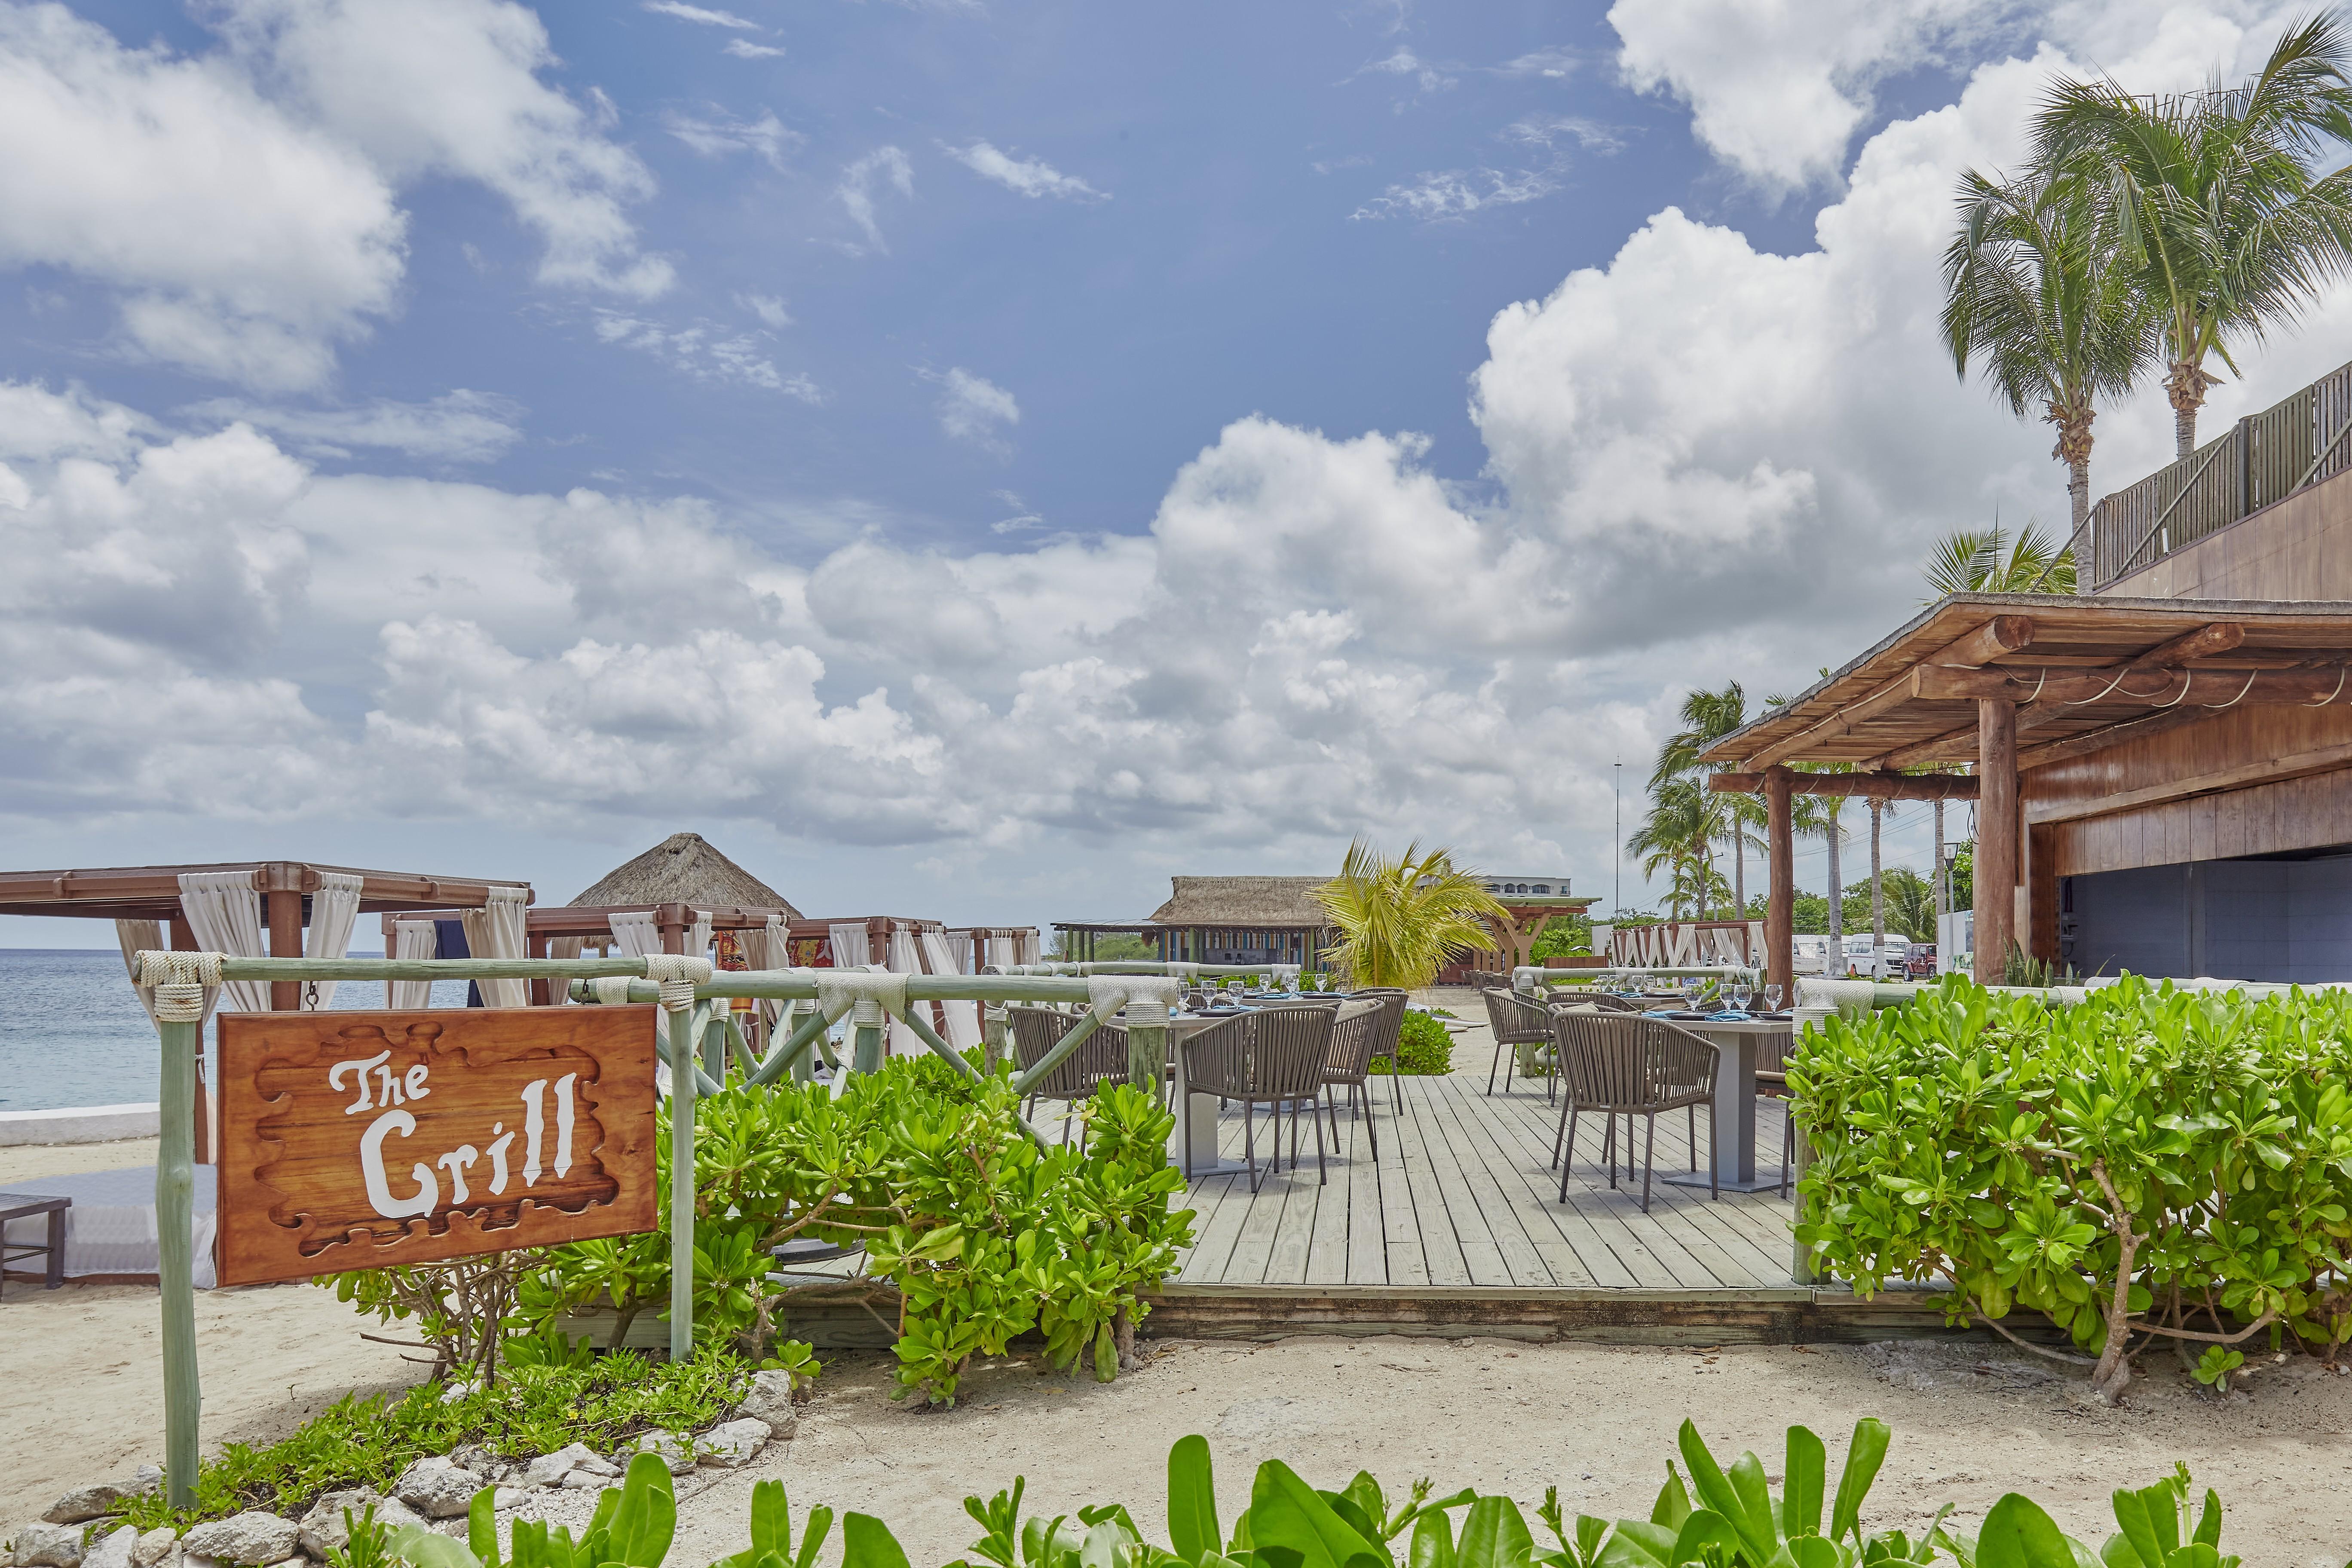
[1223,920]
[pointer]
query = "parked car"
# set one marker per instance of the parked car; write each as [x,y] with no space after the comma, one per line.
[1921,962]
[1860,964]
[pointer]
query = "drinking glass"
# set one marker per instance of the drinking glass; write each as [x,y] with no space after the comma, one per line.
[1772,998]
[1739,995]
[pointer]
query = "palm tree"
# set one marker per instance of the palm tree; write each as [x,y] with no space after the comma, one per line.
[2209,200]
[1399,920]
[1988,562]
[1683,820]
[1707,717]
[2029,289]
[1910,905]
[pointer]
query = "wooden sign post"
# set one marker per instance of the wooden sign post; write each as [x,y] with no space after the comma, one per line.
[374,1140]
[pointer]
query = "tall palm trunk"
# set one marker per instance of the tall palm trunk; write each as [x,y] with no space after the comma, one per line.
[2073,449]
[1739,869]
[1943,889]
[2186,387]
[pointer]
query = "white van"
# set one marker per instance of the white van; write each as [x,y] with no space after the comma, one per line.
[1811,953]
[1891,961]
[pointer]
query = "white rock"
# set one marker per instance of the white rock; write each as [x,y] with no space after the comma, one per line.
[85,1503]
[508,1496]
[252,1538]
[113,1550]
[670,1446]
[49,1546]
[732,1443]
[771,1400]
[457,1391]
[153,1547]
[433,1487]
[147,1479]
[584,1480]
[548,1469]
[323,1526]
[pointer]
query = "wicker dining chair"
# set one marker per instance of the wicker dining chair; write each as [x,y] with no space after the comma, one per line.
[1628,1067]
[1099,1058]
[1772,1083]
[1517,1021]
[1275,1057]
[1387,1033]
[1354,1032]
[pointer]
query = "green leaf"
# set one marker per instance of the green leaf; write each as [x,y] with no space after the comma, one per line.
[1805,1479]
[423,1548]
[1638,1543]
[1673,1505]
[1493,1535]
[1703,1529]
[482,1527]
[647,1517]
[1286,1514]
[2141,1539]
[1432,1541]
[2209,1521]
[1754,1520]
[867,1542]
[812,1535]
[1863,1455]
[1191,1500]
[2018,1535]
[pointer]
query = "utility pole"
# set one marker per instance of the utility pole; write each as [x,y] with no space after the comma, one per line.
[1617,853]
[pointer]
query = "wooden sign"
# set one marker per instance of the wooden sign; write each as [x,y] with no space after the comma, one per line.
[367,1140]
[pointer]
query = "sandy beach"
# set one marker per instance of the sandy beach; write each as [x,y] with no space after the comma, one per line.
[83,1376]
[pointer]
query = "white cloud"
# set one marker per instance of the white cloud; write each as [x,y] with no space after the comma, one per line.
[745,49]
[974,409]
[884,165]
[765,137]
[1458,192]
[239,205]
[768,308]
[1552,64]
[1025,176]
[240,243]
[703,14]
[460,427]
[1403,62]
[707,353]
[1550,130]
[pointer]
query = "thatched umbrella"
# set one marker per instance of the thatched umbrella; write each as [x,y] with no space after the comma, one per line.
[684,868]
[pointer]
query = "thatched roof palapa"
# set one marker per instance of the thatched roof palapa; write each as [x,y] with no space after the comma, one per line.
[1246,901]
[684,868]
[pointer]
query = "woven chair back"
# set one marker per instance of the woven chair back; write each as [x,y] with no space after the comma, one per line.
[1390,1024]
[1100,1057]
[1514,1018]
[1217,1059]
[1612,1062]
[1354,1028]
[1287,1051]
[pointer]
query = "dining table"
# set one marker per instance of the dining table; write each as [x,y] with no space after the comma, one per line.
[1737,1041]
[1203,1110]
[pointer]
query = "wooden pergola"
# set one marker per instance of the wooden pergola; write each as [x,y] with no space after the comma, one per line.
[152,893]
[2030,692]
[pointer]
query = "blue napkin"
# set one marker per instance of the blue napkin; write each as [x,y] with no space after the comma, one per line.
[1730,1016]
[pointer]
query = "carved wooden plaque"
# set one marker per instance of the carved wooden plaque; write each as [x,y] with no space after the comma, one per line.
[365,1140]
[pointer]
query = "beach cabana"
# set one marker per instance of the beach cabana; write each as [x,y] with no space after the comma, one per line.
[1224,920]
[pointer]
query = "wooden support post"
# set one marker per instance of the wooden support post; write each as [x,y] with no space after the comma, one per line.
[681,1184]
[2041,899]
[1780,901]
[542,992]
[991,1034]
[175,1200]
[672,918]
[285,941]
[1997,825]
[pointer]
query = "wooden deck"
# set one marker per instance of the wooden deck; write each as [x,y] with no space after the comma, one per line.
[1459,1197]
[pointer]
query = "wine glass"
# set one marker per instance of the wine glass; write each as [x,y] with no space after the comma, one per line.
[1772,997]
[1740,993]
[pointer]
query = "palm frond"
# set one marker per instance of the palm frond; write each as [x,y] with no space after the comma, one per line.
[1399,920]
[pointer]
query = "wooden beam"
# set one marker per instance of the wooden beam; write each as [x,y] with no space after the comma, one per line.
[2221,637]
[2149,687]
[1854,786]
[1998,636]
[2265,770]
[1997,832]
[1780,896]
[2099,740]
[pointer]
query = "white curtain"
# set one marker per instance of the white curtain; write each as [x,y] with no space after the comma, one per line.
[698,935]
[137,936]
[767,947]
[333,909]
[496,930]
[963,1017]
[960,943]
[905,959]
[564,947]
[849,949]
[1004,951]
[224,915]
[412,939]
[635,933]
[1032,950]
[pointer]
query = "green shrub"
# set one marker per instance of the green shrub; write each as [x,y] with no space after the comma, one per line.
[1734,1520]
[1423,1045]
[367,1440]
[984,1235]
[2152,1165]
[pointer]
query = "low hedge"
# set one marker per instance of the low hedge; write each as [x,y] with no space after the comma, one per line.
[2151,1167]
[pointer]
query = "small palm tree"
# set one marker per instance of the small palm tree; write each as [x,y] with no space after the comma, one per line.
[2210,199]
[1683,822]
[1990,562]
[1399,920]
[2034,292]
[1707,717]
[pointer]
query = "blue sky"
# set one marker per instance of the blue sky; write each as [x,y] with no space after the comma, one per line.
[974,460]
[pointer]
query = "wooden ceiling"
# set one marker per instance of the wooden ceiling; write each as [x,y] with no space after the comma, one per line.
[2085,672]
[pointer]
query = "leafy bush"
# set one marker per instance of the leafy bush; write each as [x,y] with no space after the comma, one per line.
[367,1440]
[1423,1045]
[1734,1522]
[984,1235]
[2151,1165]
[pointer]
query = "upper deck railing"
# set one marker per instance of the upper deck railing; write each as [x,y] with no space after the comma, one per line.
[2263,457]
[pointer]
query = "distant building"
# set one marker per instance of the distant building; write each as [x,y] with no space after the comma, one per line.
[1512,885]
[1223,920]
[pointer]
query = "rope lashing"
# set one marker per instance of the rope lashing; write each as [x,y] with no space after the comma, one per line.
[179,980]
[838,991]
[1107,993]
[2240,697]
[610,990]
[678,974]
